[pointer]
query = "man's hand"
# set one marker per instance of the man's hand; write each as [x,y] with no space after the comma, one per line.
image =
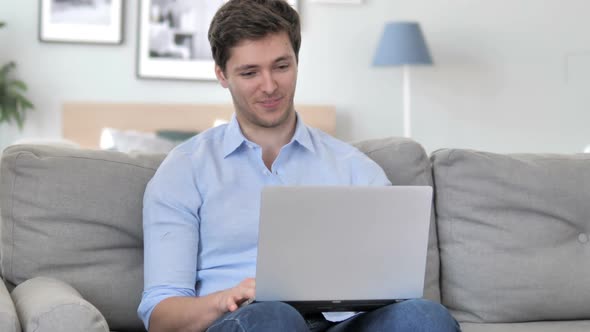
[230,299]
[197,313]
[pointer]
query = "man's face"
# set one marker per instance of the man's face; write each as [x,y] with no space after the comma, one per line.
[261,76]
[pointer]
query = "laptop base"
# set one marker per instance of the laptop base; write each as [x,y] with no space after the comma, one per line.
[310,307]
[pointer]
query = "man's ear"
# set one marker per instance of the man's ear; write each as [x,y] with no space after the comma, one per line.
[220,76]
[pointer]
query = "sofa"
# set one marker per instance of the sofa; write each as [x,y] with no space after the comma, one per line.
[508,249]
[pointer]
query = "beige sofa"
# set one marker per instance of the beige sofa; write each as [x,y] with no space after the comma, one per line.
[509,248]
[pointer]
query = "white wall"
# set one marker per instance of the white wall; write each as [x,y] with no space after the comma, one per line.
[510,76]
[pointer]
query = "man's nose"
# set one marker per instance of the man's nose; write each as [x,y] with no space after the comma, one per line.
[269,84]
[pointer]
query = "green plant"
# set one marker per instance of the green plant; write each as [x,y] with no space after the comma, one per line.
[13,103]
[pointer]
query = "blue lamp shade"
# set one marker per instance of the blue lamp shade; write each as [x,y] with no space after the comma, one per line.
[402,43]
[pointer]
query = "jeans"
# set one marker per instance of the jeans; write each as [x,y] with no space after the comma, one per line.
[411,315]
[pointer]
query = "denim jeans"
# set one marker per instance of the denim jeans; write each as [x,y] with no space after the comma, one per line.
[411,315]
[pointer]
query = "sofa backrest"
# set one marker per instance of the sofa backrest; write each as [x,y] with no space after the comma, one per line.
[405,162]
[513,235]
[75,215]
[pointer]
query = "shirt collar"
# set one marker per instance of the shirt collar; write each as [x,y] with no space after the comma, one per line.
[234,138]
[302,135]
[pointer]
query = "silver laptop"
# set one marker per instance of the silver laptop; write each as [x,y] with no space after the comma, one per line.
[342,248]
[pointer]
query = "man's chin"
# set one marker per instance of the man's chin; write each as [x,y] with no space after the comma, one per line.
[270,123]
[273,119]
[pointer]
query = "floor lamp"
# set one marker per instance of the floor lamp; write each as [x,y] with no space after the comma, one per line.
[403,44]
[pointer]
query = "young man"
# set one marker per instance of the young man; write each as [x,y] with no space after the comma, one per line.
[201,208]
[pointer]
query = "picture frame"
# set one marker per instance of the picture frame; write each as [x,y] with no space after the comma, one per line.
[81,21]
[172,39]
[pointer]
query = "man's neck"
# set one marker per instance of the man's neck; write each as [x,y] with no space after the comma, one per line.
[271,140]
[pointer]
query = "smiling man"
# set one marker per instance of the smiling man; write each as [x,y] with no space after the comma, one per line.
[261,75]
[201,208]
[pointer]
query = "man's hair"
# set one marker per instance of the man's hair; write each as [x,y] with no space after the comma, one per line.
[239,20]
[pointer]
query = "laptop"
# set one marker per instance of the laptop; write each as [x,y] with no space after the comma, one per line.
[342,248]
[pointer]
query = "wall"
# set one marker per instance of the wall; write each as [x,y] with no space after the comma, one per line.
[510,76]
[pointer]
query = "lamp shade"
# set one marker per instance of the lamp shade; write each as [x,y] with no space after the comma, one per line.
[402,43]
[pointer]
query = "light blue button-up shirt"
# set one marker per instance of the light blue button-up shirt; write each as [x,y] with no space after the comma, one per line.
[201,208]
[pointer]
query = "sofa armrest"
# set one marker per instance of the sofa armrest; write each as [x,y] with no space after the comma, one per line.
[8,317]
[47,305]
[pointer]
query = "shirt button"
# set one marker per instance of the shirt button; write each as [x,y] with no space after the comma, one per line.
[583,238]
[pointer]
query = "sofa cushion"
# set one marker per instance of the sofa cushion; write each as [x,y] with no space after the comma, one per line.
[47,305]
[405,163]
[513,234]
[563,326]
[75,215]
[8,318]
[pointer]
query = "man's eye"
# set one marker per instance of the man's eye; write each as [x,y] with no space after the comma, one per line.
[248,74]
[283,67]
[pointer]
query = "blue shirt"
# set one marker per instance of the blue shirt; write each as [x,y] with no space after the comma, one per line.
[201,208]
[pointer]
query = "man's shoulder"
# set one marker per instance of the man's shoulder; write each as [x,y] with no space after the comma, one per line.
[363,170]
[209,139]
[194,151]
[189,158]
[335,146]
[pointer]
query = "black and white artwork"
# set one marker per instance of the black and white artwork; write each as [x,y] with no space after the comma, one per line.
[173,39]
[178,29]
[83,21]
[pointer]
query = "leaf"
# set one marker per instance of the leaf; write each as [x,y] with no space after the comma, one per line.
[24,103]
[18,84]
[7,68]
[13,103]
[14,93]
[19,118]
[3,115]
[10,109]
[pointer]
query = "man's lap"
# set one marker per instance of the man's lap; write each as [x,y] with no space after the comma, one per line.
[265,316]
[411,315]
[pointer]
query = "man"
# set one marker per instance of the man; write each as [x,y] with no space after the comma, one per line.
[201,208]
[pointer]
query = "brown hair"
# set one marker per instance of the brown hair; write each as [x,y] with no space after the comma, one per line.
[251,19]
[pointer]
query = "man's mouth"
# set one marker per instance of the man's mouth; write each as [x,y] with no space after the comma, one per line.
[271,102]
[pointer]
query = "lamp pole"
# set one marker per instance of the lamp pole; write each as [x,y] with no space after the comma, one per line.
[407,119]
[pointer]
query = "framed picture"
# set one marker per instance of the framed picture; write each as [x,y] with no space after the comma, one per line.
[173,42]
[81,21]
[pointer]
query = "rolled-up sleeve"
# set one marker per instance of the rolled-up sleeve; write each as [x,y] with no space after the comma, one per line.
[170,233]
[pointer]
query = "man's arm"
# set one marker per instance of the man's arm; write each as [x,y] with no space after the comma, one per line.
[171,239]
[185,313]
[367,172]
[171,226]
